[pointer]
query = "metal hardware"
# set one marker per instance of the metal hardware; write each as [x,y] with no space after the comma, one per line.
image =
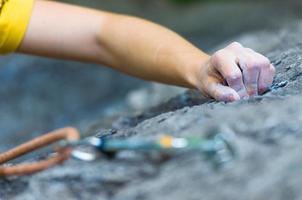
[219,148]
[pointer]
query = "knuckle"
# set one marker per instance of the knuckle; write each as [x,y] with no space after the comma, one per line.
[219,54]
[249,50]
[264,62]
[252,65]
[256,61]
[272,69]
[234,77]
[235,45]
[217,57]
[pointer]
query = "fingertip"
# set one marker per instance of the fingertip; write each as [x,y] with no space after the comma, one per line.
[229,97]
[272,69]
[234,97]
[227,94]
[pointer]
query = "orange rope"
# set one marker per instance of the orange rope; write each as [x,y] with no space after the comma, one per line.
[68,133]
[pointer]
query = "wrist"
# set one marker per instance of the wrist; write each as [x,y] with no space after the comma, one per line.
[193,71]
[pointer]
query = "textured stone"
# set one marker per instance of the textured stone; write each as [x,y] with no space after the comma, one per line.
[268,137]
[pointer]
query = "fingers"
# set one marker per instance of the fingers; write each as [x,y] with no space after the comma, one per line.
[245,71]
[251,72]
[257,70]
[225,63]
[221,92]
[236,72]
[266,78]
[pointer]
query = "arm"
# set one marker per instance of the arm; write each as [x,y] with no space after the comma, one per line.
[143,49]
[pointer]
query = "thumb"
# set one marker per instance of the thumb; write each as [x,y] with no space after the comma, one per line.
[222,93]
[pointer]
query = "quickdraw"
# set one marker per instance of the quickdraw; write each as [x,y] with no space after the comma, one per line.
[219,147]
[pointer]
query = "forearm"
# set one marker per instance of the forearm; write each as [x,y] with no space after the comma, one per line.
[145,50]
[128,44]
[149,51]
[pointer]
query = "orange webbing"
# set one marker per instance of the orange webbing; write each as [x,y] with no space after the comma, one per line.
[68,133]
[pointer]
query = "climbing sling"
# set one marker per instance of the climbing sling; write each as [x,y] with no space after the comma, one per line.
[219,147]
[68,134]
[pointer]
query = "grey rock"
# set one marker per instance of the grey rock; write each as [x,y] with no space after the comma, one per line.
[39,94]
[268,137]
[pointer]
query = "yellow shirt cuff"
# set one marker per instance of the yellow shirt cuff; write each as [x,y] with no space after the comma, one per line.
[14,19]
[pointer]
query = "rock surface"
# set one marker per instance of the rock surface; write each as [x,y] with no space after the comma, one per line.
[268,138]
[57,93]
[30,86]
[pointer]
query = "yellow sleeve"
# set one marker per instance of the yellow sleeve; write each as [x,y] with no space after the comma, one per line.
[14,19]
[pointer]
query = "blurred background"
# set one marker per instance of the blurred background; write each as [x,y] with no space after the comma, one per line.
[39,95]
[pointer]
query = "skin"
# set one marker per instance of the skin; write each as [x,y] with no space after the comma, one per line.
[145,50]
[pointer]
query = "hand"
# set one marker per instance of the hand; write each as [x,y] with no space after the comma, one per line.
[234,73]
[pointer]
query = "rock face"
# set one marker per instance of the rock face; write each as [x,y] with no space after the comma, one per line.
[267,133]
